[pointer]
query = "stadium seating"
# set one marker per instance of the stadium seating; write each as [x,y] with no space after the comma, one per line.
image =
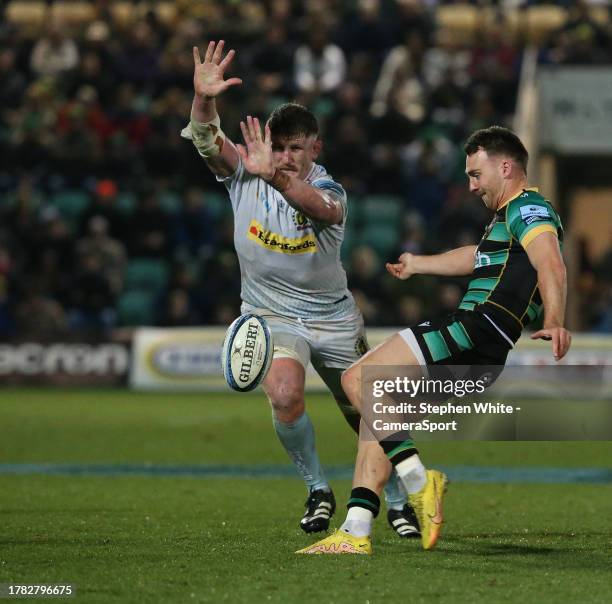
[70,204]
[136,307]
[383,238]
[126,203]
[146,274]
[381,210]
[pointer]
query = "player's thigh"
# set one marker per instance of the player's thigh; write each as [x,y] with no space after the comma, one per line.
[393,358]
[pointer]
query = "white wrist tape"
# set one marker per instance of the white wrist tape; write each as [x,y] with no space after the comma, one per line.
[207,137]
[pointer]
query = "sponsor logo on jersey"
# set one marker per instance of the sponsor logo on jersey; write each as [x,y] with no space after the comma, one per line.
[277,243]
[301,222]
[481,260]
[361,346]
[532,213]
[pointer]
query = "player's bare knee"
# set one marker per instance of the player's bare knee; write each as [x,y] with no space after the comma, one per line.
[287,402]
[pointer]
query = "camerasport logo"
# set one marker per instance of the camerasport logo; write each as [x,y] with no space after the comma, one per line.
[277,243]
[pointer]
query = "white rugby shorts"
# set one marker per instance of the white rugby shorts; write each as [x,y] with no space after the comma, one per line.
[331,346]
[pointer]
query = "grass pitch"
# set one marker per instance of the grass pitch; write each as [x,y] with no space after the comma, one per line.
[180,539]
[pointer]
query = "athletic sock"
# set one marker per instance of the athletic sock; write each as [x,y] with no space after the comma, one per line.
[395,495]
[298,438]
[405,459]
[363,507]
[412,473]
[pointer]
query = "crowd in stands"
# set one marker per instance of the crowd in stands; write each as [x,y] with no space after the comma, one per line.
[108,218]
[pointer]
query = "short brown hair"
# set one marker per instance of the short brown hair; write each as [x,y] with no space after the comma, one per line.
[497,140]
[291,120]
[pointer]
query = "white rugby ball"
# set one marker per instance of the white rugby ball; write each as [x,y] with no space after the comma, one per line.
[247,352]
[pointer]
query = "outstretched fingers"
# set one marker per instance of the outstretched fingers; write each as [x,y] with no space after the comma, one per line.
[257,129]
[227,59]
[209,52]
[245,133]
[233,82]
[196,56]
[216,58]
[252,129]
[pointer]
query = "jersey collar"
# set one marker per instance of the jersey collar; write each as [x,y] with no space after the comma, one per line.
[523,190]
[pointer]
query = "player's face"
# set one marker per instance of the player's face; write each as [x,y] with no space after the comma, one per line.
[294,156]
[485,176]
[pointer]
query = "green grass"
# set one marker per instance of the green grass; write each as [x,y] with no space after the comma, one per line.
[154,539]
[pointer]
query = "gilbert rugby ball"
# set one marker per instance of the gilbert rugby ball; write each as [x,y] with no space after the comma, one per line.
[247,352]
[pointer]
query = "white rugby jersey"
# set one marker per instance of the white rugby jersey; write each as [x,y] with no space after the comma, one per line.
[289,264]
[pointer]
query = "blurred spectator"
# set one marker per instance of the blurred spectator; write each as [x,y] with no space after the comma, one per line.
[399,89]
[138,61]
[149,227]
[91,307]
[414,235]
[12,81]
[272,61]
[93,73]
[110,253]
[580,39]
[55,53]
[363,275]
[347,147]
[195,229]
[426,184]
[104,204]
[55,236]
[38,316]
[365,30]
[410,310]
[6,285]
[320,66]
[178,311]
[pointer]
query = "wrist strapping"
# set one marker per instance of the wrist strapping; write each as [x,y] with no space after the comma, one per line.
[207,137]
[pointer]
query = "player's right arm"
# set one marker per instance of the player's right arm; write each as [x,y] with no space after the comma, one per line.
[218,151]
[455,263]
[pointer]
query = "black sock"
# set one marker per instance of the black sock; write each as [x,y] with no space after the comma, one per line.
[397,448]
[364,498]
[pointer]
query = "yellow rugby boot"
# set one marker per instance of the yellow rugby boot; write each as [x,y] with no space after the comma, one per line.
[339,543]
[427,504]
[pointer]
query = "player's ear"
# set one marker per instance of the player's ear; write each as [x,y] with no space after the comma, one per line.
[506,168]
[317,147]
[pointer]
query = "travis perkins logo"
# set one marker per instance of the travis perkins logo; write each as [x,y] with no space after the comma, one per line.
[249,352]
[277,243]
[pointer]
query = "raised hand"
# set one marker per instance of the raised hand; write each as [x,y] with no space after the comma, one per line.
[257,154]
[404,268]
[208,79]
[560,337]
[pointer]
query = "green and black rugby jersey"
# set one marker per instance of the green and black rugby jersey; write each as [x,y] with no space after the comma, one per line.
[504,284]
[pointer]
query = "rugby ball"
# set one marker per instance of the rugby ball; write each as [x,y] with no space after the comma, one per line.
[247,352]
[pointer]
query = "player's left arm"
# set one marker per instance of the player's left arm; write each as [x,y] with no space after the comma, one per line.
[545,256]
[323,206]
